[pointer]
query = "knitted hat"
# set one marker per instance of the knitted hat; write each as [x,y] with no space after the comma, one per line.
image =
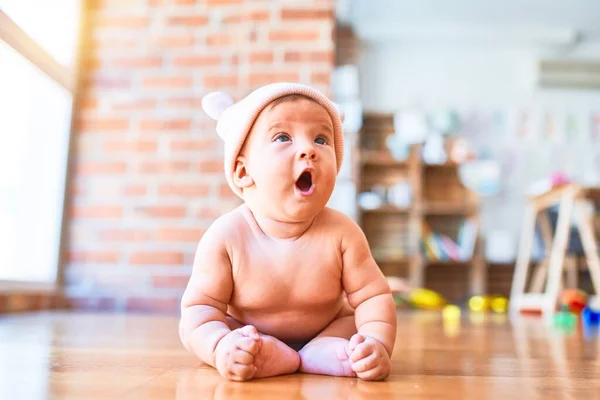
[236,120]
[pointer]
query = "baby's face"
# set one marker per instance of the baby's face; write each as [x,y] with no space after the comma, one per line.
[290,157]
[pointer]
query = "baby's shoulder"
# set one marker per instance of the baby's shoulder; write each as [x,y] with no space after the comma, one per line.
[226,228]
[337,221]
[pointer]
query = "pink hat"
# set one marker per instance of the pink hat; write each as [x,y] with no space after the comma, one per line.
[236,120]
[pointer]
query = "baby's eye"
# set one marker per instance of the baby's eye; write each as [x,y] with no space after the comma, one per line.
[282,137]
[320,140]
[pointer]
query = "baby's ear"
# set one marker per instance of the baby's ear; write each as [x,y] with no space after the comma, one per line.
[240,174]
[340,111]
[215,103]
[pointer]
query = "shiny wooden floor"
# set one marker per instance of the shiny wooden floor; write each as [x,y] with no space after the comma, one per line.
[83,356]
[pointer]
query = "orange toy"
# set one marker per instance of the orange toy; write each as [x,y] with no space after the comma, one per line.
[575,299]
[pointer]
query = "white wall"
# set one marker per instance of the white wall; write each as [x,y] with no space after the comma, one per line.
[490,83]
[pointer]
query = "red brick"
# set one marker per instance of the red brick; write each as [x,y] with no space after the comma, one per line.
[223,2]
[101,81]
[167,82]
[113,43]
[172,42]
[156,258]
[320,77]
[183,189]
[159,3]
[261,57]
[193,145]
[169,305]
[163,211]
[248,16]
[152,125]
[225,192]
[263,78]
[313,56]
[133,105]
[197,61]
[135,190]
[124,235]
[120,22]
[294,35]
[208,213]
[104,124]
[310,14]
[93,256]
[137,62]
[184,102]
[188,20]
[209,166]
[163,167]
[79,211]
[100,168]
[223,39]
[170,281]
[192,235]
[133,146]
[220,81]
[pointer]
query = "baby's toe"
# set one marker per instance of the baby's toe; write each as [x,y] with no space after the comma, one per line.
[243,357]
[249,345]
[241,372]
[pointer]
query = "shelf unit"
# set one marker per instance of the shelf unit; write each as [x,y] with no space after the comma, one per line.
[437,199]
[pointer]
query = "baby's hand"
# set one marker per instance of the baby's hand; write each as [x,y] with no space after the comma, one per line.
[234,355]
[368,358]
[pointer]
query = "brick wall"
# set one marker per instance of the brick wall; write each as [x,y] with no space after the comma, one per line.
[147,165]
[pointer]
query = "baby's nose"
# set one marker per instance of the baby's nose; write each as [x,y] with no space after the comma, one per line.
[308,153]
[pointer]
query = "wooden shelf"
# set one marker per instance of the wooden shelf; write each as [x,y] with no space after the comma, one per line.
[392,260]
[441,208]
[387,209]
[380,158]
[449,263]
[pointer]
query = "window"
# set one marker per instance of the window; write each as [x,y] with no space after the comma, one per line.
[37,57]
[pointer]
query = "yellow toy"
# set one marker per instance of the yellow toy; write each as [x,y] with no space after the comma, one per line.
[426,299]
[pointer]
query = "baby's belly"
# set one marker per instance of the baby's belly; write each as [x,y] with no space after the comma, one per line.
[291,325]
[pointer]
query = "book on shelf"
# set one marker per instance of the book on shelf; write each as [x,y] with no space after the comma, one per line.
[437,246]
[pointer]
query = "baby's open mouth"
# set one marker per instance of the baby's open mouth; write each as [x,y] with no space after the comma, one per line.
[305,183]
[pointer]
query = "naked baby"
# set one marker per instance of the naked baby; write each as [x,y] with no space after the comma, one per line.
[283,283]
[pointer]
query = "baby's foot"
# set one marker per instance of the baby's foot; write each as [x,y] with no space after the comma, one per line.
[245,354]
[368,358]
[326,356]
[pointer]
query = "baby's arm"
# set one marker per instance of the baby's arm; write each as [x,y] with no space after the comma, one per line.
[367,289]
[204,302]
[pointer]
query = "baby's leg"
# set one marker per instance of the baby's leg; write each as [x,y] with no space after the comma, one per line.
[328,353]
[251,354]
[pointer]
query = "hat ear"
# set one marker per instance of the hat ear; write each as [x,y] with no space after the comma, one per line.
[340,111]
[215,103]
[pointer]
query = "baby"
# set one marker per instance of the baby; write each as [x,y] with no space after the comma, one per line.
[283,283]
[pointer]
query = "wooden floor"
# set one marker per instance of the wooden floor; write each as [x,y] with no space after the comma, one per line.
[82,356]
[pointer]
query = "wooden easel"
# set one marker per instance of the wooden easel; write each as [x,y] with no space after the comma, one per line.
[568,196]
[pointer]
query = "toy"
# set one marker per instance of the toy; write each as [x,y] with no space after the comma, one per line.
[479,303]
[426,299]
[574,299]
[590,318]
[499,304]
[564,318]
[451,313]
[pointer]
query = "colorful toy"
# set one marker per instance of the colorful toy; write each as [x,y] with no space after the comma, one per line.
[574,299]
